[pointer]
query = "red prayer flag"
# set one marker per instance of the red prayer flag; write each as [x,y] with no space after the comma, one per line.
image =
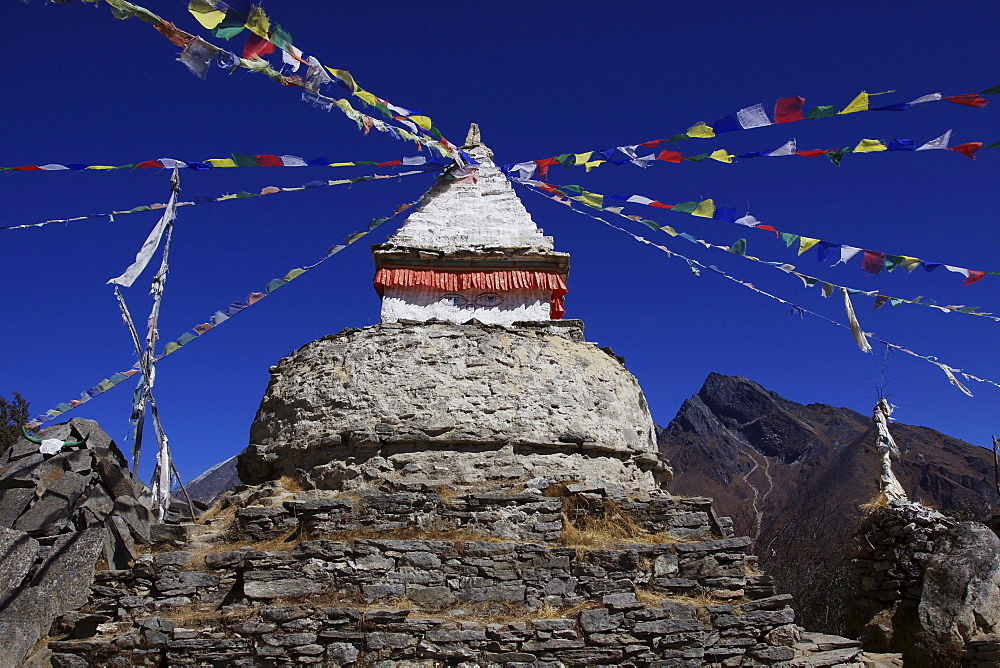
[969,100]
[256,47]
[269,161]
[974,276]
[968,149]
[768,228]
[670,156]
[543,166]
[651,144]
[661,205]
[812,153]
[390,163]
[27,168]
[788,109]
[150,164]
[873,261]
[176,36]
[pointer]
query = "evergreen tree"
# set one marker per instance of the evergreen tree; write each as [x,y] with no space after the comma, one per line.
[13,415]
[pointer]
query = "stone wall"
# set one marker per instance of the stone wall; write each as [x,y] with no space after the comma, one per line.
[340,599]
[465,406]
[929,587]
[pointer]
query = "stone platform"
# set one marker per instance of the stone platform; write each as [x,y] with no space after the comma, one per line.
[404,578]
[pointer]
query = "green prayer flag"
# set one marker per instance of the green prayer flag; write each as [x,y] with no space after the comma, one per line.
[375,222]
[686,207]
[740,247]
[677,138]
[572,189]
[650,224]
[566,159]
[822,111]
[789,238]
[995,90]
[365,162]
[244,160]
[697,158]
[280,38]
[891,262]
[995,144]
[838,155]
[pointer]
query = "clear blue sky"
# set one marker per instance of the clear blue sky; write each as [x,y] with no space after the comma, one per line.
[541,79]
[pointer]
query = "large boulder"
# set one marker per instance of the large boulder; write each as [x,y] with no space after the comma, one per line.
[64,504]
[458,405]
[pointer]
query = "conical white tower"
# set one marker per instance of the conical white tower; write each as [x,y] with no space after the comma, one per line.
[471,250]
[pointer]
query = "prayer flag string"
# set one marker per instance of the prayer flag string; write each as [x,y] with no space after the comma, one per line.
[872,261]
[220,316]
[204,199]
[696,268]
[234,160]
[739,248]
[591,159]
[197,55]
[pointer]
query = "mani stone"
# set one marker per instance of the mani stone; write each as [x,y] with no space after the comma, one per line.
[464,405]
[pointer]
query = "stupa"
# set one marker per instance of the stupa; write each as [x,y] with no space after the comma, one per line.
[472,378]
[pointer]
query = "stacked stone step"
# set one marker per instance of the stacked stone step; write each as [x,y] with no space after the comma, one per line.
[693,599]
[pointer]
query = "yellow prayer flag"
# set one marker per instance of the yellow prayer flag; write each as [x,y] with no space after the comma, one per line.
[294,273]
[722,155]
[422,121]
[340,164]
[860,103]
[700,130]
[346,77]
[705,209]
[869,146]
[910,263]
[593,200]
[669,230]
[367,97]
[339,182]
[258,23]
[100,167]
[206,13]
[805,243]
[582,158]
[221,162]
[593,163]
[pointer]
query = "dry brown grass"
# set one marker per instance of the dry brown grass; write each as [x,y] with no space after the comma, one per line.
[615,528]
[202,615]
[291,484]
[651,597]
[457,536]
[878,502]
[221,510]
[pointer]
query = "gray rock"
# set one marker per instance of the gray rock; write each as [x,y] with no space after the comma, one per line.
[13,502]
[282,588]
[51,512]
[18,552]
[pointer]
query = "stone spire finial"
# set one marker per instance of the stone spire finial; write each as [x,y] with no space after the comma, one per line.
[472,139]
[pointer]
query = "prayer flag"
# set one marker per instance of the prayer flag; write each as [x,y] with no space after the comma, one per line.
[206,13]
[787,149]
[968,149]
[932,97]
[705,209]
[872,261]
[939,143]
[852,322]
[860,103]
[256,47]
[823,111]
[670,156]
[789,238]
[788,109]
[969,100]
[901,145]
[753,117]
[805,243]
[869,146]
[700,130]
[726,124]
[722,155]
